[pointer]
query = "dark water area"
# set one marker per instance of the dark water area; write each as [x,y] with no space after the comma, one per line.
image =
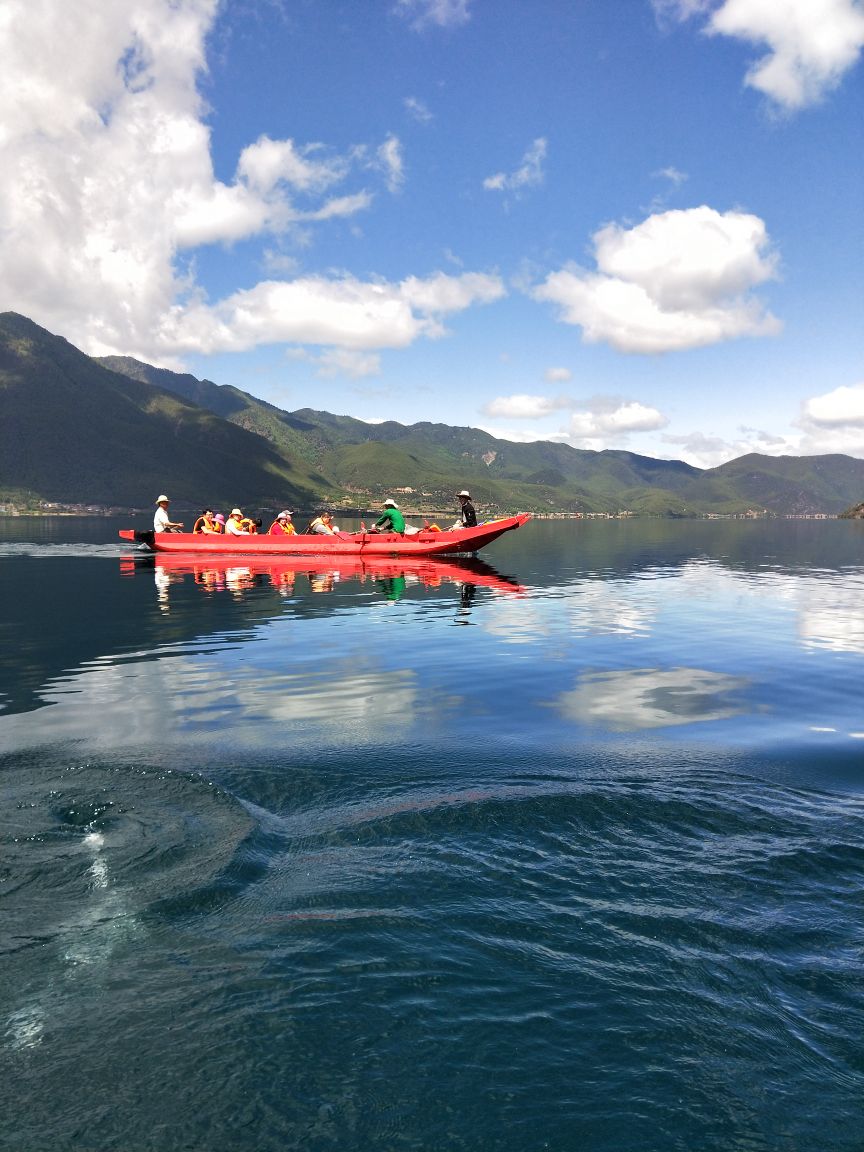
[559,848]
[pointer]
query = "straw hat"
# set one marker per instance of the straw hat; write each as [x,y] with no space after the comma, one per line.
[162,500]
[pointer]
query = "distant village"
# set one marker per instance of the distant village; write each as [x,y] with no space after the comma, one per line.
[53,508]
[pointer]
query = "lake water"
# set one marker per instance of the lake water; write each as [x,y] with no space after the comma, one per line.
[559,850]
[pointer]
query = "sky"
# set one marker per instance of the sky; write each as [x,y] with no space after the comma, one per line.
[633,224]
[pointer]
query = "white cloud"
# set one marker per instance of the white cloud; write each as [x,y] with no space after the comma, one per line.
[680,9]
[673,175]
[811,43]
[680,279]
[705,451]
[598,422]
[348,362]
[442,293]
[267,163]
[842,407]
[528,174]
[443,13]
[557,375]
[834,422]
[525,407]
[390,161]
[417,109]
[609,421]
[337,206]
[107,186]
[277,261]
[345,313]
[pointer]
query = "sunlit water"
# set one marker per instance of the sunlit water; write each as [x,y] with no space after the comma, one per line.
[563,853]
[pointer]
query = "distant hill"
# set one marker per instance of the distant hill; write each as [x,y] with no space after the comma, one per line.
[73,431]
[115,431]
[541,476]
[795,484]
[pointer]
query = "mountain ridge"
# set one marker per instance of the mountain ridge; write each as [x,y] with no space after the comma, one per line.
[107,429]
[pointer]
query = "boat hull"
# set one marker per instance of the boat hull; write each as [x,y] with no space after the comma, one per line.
[424,543]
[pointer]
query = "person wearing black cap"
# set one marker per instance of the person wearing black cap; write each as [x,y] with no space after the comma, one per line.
[468,516]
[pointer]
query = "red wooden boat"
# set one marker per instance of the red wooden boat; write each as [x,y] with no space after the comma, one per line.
[423,543]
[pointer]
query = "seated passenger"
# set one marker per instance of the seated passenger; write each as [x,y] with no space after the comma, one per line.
[218,522]
[205,522]
[282,525]
[234,524]
[249,525]
[322,526]
[391,519]
[161,521]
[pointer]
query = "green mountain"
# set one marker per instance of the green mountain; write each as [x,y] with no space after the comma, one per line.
[73,431]
[374,459]
[796,484]
[115,431]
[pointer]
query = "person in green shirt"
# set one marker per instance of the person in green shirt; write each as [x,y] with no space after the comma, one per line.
[391,519]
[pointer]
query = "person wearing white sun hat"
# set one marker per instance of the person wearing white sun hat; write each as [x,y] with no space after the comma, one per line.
[234,524]
[467,515]
[391,519]
[161,521]
[282,525]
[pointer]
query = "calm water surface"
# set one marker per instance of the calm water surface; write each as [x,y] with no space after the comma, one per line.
[559,849]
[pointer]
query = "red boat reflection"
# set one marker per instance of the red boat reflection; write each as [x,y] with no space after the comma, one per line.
[323,572]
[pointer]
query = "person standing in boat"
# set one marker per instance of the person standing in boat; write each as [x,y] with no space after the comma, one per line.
[234,524]
[161,520]
[282,525]
[467,513]
[391,519]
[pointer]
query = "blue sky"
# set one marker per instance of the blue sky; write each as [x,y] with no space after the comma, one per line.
[615,223]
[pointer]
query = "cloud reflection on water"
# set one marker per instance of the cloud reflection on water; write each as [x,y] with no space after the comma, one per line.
[832,617]
[643,698]
[111,706]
